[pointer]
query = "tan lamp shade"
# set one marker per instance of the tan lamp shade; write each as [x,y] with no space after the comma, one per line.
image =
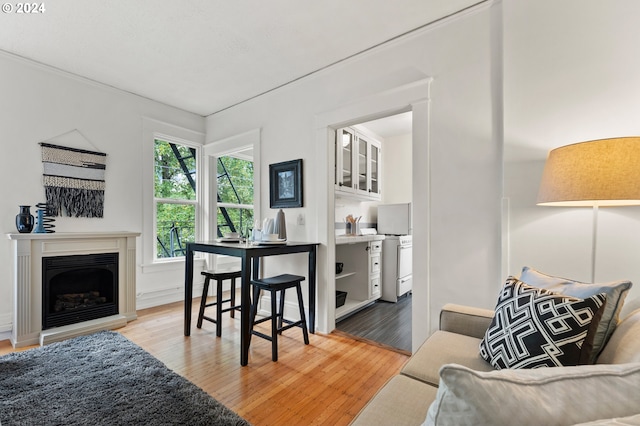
[604,172]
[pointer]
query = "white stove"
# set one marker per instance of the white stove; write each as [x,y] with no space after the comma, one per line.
[396,266]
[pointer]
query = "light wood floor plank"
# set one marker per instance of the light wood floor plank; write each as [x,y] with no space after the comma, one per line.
[324,383]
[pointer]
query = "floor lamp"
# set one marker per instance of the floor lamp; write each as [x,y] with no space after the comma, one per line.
[600,173]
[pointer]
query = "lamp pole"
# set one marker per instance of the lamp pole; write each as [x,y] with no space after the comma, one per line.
[594,243]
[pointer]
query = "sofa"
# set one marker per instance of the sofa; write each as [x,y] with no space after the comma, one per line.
[447,381]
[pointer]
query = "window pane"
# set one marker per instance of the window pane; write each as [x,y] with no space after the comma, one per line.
[175,228]
[235,180]
[175,171]
[236,220]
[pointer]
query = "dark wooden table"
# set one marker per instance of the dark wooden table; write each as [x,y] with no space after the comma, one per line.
[250,262]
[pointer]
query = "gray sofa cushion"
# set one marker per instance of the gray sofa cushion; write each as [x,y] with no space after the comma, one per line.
[467,320]
[444,348]
[624,345]
[402,401]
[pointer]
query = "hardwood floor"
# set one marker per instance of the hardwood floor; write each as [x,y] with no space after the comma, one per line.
[324,383]
[385,323]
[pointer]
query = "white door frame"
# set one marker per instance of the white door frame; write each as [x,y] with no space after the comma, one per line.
[413,97]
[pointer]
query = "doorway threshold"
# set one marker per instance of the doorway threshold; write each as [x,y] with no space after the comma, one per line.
[370,342]
[385,324]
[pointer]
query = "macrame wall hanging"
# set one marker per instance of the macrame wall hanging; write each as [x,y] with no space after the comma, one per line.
[73,180]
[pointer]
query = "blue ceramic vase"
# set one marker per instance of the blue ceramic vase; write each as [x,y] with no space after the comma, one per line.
[24,220]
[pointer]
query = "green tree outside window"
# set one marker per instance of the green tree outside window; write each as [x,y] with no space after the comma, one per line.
[175,197]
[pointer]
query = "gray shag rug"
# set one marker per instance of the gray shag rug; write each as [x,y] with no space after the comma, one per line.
[101,379]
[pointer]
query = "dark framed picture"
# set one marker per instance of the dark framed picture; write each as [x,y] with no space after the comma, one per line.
[285,184]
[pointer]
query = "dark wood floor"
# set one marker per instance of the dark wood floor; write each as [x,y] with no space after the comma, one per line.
[383,322]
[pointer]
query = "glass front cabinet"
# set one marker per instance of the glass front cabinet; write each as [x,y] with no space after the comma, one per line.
[357,165]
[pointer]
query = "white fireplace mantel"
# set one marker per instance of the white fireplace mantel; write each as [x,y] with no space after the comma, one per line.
[27,251]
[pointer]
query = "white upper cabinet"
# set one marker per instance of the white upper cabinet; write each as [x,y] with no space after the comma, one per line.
[357,165]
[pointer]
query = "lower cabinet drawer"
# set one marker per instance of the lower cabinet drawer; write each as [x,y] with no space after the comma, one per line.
[375,247]
[374,286]
[374,263]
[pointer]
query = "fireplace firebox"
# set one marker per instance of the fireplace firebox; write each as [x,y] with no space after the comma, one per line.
[78,288]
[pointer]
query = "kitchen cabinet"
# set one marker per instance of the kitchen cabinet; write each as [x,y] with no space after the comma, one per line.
[357,165]
[361,274]
[375,269]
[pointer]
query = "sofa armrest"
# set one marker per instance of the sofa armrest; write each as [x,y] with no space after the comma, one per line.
[465,320]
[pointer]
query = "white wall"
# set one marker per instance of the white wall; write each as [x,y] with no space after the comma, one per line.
[462,162]
[571,75]
[346,206]
[39,103]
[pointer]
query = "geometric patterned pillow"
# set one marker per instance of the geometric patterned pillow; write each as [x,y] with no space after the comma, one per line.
[616,292]
[534,327]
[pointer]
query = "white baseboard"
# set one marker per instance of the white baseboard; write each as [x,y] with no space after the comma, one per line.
[291,310]
[6,326]
[64,332]
[6,323]
[164,297]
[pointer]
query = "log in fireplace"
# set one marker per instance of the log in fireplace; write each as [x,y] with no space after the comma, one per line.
[78,288]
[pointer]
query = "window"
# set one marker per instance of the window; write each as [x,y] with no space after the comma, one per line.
[175,197]
[235,194]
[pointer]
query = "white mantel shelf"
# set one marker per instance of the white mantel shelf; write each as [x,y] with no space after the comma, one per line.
[68,235]
[27,251]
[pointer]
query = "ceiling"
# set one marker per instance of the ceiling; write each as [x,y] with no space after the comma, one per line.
[204,56]
[394,125]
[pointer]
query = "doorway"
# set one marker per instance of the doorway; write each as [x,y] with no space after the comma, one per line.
[385,322]
[414,97]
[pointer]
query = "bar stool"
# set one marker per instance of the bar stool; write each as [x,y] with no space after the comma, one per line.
[275,285]
[219,277]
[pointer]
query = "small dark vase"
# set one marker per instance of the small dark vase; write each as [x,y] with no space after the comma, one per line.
[24,220]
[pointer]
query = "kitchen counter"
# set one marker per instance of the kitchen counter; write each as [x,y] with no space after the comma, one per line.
[353,239]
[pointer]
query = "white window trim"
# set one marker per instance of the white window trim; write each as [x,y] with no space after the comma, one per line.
[197,202]
[236,206]
[152,130]
[211,152]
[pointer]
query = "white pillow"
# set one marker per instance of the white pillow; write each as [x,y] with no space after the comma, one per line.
[542,396]
[620,421]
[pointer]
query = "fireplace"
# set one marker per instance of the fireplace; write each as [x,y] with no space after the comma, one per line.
[107,261]
[78,288]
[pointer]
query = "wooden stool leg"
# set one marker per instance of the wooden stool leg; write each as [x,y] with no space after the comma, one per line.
[281,311]
[203,302]
[219,308]
[253,311]
[302,316]
[274,327]
[233,297]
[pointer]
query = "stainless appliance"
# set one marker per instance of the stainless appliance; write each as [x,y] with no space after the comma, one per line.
[396,266]
[394,219]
